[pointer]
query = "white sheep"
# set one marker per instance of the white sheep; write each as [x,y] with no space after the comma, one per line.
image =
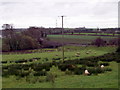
[34,59]
[87,52]
[23,63]
[86,72]
[102,66]
[78,53]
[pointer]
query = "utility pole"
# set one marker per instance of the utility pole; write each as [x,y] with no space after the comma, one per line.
[63,40]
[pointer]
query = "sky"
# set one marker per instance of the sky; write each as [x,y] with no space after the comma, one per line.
[46,13]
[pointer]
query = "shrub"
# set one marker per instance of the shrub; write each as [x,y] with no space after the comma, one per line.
[105,64]
[41,79]
[99,42]
[24,73]
[4,62]
[78,71]
[40,73]
[107,69]
[5,73]
[47,69]
[67,72]
[56,58]
[63,67]
[30,78]
[46,59]
[71,67]
[50,77]
[4,67]
[91,64]
[95,70]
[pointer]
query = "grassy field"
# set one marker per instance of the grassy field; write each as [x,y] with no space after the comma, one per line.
[95,33]
[69,52]
[105,80]
[77,38]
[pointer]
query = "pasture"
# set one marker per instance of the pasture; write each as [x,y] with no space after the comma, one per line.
[63,79]
[79,39]
[109,34]
[69,52]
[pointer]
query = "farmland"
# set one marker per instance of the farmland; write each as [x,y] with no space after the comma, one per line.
[33,67]
[63,80]
[79,39]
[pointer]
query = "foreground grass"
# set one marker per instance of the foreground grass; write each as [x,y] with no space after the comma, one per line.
[105,80]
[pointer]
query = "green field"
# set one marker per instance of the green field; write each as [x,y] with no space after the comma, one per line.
[95,33]
[104,80]
[69,52]
[80,39]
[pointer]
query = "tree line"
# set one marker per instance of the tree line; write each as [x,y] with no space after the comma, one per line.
[28,39]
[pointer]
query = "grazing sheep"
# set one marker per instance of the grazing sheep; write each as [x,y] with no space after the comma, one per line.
[102,66]
[78,53]
[87,52]
[24,63]
[86,72]
[34,59]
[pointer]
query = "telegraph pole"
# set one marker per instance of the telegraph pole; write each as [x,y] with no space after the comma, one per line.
[62,38]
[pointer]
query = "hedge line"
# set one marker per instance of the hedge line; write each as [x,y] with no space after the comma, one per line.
[71,65]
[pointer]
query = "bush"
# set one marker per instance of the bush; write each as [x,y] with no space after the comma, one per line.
[56,58]
[50,77]
[67,72]
[62,67]
[107,69]
[99,42]
[40,73]
[105,64]
[30,78]
[4,67]
[91,64]
[5,73]
[41,79]
[4,62]
[24,73]
[78,71]
[95,70]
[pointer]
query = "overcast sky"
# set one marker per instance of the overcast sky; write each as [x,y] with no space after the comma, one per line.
[79,13]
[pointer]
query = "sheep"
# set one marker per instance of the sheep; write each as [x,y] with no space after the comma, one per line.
[102,66]
[23,63]
[87,52]
[34,59]
[86,72]
[78,53]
